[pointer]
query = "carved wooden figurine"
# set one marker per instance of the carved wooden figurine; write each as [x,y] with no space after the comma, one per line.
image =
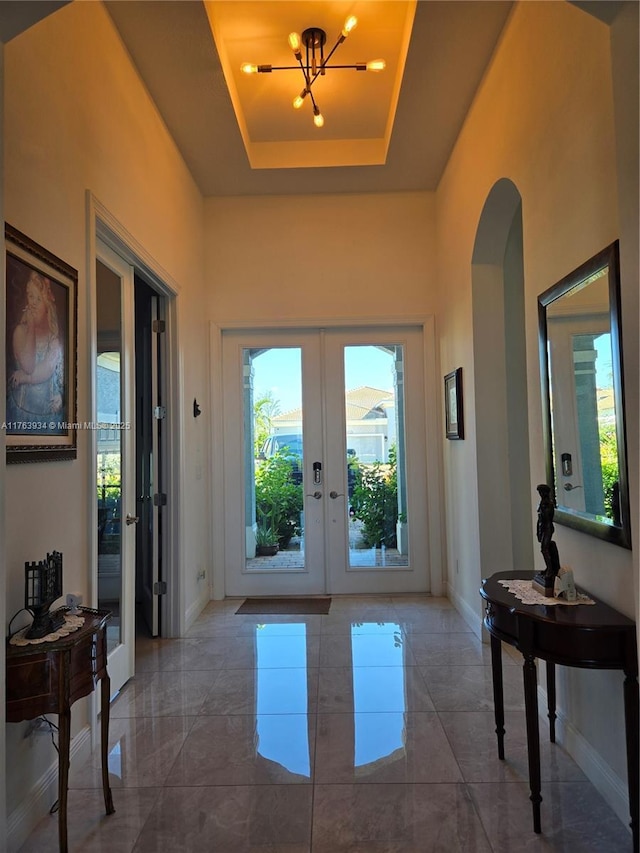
[543,581]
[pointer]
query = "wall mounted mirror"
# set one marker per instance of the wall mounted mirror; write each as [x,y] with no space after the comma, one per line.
[583,399]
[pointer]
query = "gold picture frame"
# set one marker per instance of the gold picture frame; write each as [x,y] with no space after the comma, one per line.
[41,352]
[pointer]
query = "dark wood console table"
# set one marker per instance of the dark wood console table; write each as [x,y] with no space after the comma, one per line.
[591,636]
[47,678]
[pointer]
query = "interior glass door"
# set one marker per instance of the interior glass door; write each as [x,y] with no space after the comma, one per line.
[323,503]
[114,447]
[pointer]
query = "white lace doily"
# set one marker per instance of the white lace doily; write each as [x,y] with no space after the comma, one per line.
[525,593]
[71,624]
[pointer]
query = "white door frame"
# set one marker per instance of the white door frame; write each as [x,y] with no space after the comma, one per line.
[432,419]
[102,226]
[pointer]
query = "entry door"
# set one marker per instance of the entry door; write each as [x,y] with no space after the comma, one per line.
[115,459]
[321,428]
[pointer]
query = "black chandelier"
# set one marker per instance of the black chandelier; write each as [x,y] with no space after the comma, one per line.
[313,39]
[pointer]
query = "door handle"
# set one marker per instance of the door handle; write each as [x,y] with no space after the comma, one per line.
[316,495]
[334,495]
[132,519]
[569,487]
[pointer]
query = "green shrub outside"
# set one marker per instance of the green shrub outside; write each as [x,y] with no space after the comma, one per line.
[609,462]
[375,502]
[278,498]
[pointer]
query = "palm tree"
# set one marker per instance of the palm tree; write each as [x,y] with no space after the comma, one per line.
[265,409]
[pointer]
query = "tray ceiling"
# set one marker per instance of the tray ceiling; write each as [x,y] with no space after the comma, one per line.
[411,113]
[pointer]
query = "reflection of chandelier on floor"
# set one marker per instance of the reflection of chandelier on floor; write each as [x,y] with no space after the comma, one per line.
[315,65]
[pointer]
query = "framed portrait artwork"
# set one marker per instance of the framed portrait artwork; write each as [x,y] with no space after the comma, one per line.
[454,419]
[41,353]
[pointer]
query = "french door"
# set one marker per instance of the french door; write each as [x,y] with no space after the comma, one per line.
[115,442]
[325,461]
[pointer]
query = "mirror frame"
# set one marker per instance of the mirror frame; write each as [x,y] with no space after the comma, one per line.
[608,257]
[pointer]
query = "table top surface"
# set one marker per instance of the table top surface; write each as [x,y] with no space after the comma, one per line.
[598,615]
[94,620]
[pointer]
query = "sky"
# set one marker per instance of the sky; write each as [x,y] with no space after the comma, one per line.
[603,361]
[279,371]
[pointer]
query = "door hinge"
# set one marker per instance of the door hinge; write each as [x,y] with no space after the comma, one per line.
[160,413]
[160,588]
[160,499]
[158,326]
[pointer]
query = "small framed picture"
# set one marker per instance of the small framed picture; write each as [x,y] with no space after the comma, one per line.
[454,420]
[40,352]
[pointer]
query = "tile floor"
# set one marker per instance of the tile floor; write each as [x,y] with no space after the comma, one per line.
[369,730]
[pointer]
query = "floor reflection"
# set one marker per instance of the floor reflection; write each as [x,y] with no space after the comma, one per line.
[115,760]
[284,740]
[378,668]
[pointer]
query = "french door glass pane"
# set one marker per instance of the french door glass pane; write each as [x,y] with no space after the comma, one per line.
[375,458]
[109,449]
[273,452]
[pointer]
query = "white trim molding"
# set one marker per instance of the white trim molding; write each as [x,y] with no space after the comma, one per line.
[23,820]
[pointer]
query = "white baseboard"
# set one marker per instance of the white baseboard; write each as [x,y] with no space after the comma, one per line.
[23,820]
[195,609]
[469,615]
[598,772]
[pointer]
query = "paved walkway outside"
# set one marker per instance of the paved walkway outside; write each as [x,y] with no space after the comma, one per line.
[293,556]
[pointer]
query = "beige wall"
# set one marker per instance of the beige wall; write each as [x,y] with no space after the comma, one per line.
[316,257]
[78,118]
[544,119]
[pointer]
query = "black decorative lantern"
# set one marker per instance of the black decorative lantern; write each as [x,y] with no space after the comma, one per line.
[42,585]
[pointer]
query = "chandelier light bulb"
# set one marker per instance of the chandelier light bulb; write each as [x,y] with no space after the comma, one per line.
[294,42]
[376,65]
[249,68]
[349,25]
[318,118]
[298,102]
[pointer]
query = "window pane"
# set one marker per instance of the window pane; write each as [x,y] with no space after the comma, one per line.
[375,457]
[274,517]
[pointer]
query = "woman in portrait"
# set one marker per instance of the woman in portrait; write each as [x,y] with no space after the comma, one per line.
[35,381]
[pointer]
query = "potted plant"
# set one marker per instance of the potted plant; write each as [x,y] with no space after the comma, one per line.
[266,541]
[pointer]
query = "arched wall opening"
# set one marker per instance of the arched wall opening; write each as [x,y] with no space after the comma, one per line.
[500,378]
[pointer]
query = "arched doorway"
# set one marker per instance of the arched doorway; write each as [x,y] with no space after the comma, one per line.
[500,375]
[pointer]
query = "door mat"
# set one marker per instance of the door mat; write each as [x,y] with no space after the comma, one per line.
[279,606]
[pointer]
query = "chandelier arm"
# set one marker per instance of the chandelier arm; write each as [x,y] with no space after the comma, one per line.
[324,66]
[305,71]
[357,66]
[312,81]
[313,100]
[333,50]
[284,68]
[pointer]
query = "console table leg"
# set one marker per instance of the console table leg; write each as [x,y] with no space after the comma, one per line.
[105,695]
[498,694]
[551,700]
[533,736]
[631,713]
[64,741]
